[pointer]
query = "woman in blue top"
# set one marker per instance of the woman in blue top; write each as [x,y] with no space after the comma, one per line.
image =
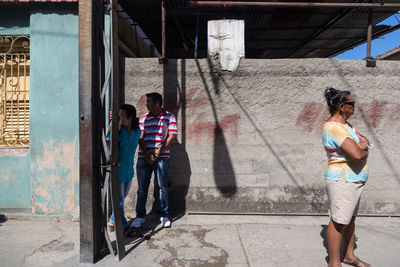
[129,134]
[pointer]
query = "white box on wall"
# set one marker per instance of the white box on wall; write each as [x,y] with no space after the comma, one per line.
[226,40]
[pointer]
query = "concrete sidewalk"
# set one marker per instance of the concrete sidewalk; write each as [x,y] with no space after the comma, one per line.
[200,240]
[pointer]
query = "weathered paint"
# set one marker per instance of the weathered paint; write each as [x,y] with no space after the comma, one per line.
[14,182]
[54,111]
[15,188]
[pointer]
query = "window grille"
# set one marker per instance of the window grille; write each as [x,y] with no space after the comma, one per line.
[14,90]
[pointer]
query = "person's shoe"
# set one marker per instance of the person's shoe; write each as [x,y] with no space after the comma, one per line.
[137,222]
[165,222]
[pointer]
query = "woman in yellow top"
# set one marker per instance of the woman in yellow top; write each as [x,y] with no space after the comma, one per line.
[347,172]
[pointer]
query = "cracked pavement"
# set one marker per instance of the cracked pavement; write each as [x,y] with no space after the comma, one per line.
[199,240]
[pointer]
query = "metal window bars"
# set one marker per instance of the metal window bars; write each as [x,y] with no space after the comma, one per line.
[14,90]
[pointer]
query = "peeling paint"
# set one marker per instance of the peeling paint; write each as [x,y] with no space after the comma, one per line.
[43,193]
[57,173]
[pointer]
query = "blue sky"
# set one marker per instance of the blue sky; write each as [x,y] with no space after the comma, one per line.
[379,45]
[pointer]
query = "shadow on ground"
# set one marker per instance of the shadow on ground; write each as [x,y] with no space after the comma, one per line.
[3,218]
[151,227]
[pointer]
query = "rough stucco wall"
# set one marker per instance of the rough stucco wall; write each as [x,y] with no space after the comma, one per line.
[54,112]
[250,141]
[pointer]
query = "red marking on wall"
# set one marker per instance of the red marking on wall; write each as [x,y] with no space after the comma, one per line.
[230,122]
[201,129]
[194,99]
[141,106]
[374,113]
[321,120]
[312,117]
[308,116]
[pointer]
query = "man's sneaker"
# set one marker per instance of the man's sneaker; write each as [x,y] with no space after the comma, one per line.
[165,222]
[137,222]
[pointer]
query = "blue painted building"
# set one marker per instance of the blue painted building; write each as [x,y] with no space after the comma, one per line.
[42,175]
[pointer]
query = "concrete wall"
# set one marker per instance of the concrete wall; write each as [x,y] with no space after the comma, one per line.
[250,141]
[51,165]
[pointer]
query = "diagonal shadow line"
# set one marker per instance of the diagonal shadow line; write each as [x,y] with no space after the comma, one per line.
[225,184]
[260,133]
[315,203]
[147,235]
[207,91]
[142,238]
[369,128]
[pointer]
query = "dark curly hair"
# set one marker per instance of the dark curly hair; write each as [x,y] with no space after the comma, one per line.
[334,98]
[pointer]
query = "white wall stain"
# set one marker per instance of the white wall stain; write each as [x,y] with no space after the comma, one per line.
[43,193]
[5,176]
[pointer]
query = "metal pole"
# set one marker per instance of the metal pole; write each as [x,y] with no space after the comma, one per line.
[292,4]
[163,58]
[163,27]
[114,131]
[369,34]
[370,62]
[92,240]
[197,36]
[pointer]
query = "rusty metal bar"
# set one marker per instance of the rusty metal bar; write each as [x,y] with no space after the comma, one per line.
[369,34]
[92,240]
[291,4]
[369,60]
[163,28]
[163,58]
[114,130]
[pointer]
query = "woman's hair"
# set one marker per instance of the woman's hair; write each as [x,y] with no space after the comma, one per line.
[130,112]
[334,98]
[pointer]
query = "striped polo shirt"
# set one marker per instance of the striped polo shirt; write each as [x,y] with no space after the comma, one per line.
[155,131]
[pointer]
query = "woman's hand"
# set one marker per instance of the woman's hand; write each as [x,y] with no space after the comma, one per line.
[363,144]
[362,137]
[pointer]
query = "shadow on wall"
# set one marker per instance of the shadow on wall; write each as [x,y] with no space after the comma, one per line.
[297,190]
[224,174]
[180,170]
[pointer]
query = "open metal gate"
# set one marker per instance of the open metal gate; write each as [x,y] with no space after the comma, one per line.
[98,166]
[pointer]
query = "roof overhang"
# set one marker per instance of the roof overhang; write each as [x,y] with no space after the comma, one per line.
[272,29]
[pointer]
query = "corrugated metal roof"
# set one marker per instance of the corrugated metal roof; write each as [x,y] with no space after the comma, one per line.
[269,32]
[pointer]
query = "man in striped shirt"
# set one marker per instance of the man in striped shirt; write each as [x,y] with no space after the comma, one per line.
[159,130]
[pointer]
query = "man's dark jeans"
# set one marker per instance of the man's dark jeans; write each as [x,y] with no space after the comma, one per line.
[144,171]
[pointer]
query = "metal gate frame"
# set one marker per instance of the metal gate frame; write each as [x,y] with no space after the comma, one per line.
[96,162]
